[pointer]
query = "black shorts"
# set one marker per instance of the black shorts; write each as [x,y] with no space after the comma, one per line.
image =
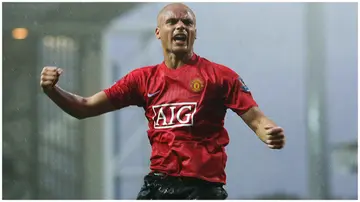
[158,186]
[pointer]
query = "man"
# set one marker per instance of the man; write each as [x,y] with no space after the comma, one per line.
[185,99]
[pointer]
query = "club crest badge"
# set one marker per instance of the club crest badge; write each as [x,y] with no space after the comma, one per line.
[197,85]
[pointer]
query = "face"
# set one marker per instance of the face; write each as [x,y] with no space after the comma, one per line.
[176,29]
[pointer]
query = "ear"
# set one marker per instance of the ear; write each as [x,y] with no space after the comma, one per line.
[157,32]
[195,33]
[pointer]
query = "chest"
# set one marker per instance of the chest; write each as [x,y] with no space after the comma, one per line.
[179,100]
[194,87]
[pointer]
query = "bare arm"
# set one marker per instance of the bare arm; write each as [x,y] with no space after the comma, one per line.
[80,107]
[265,129]
[77,106]
[257,121]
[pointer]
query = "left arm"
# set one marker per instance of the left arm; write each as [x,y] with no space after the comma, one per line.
[264,128]
[239,99]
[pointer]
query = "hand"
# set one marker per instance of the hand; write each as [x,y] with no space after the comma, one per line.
[274,137]
[49,77]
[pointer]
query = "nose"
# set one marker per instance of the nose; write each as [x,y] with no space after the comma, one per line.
[180,25]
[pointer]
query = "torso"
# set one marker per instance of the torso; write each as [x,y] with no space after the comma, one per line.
[186,117]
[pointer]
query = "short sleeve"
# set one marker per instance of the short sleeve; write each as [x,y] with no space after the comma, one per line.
[126,91]
[238,97]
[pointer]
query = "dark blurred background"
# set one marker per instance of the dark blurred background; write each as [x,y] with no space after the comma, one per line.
[34,164]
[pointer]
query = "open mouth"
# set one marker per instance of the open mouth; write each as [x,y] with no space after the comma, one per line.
[180,38]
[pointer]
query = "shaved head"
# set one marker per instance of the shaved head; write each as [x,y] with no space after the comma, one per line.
[176,28]
[170,7]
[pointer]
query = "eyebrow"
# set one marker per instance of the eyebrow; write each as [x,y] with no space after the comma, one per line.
[184,18]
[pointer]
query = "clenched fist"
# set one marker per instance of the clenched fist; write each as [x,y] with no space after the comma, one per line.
[274,137]
[49,77]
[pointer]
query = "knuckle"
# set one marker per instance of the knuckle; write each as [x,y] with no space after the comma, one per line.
[50,68]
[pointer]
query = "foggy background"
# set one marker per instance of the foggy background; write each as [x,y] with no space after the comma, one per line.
[298,59]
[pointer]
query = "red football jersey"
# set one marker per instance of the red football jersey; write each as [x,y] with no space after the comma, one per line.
[185,108]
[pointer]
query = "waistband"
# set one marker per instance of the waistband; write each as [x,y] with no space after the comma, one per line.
[182,179]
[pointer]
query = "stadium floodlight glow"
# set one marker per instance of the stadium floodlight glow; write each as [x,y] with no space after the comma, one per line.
[20,33]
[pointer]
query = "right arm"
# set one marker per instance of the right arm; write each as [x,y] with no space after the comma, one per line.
[121,94]
[80,107]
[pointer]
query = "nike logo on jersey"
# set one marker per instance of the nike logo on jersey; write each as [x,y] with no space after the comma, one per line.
[153,94]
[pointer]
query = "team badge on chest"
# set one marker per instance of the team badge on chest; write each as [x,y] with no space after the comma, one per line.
[197,85]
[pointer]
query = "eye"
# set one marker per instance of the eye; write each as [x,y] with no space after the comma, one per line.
[171,21]
[188,22]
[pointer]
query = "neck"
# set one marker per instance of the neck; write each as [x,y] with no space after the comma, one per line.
[173,61]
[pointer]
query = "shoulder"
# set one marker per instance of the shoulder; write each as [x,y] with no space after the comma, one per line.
[143,71]
[140,74]
[220,70]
